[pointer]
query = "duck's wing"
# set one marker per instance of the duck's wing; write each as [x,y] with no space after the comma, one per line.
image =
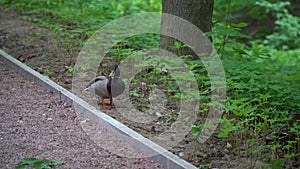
[116,86]
[99,86]
[98,78]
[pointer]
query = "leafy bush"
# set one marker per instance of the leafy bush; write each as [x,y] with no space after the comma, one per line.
[263,87]
[286,34]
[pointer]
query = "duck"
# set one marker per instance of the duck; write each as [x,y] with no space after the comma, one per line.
[107,87]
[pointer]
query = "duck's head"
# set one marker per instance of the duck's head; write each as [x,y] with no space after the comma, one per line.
[115,71]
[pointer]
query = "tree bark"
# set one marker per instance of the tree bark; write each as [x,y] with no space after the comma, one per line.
[197,12]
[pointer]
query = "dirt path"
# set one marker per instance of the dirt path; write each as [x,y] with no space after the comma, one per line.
[36,47]
[34,123]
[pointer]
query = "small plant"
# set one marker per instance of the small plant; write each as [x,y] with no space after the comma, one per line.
[83,74]
[48,73]
[207,165]
[70,68]
[38,164]
[276,164]
[171,117]
[196,129]
[134,93]
[144,109]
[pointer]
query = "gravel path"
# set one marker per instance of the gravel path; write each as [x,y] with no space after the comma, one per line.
[35,123]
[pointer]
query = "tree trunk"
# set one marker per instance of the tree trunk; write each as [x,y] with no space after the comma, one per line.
[197,12]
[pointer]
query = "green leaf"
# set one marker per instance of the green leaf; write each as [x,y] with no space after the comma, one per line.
[38,164]
[276,164]
[28,161]
[55,163]
[21,167]
[196,130]
[42,164]
[239,25]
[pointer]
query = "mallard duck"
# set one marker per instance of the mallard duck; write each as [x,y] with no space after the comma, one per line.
[107,86]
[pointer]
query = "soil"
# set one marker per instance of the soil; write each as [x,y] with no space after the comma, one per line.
[43,51]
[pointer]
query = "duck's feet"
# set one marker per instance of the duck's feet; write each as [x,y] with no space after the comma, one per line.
[105,106]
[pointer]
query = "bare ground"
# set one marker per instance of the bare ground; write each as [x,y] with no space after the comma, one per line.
[35,123]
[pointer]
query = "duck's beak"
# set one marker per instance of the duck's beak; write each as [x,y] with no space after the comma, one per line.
[112,73]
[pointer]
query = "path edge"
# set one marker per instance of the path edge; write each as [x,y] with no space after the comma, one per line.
[167,159]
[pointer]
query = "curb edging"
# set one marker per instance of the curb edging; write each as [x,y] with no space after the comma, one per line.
[139,142]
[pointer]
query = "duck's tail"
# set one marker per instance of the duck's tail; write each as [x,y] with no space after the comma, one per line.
[87,88]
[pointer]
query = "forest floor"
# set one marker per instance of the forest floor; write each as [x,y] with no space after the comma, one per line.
[44,52]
